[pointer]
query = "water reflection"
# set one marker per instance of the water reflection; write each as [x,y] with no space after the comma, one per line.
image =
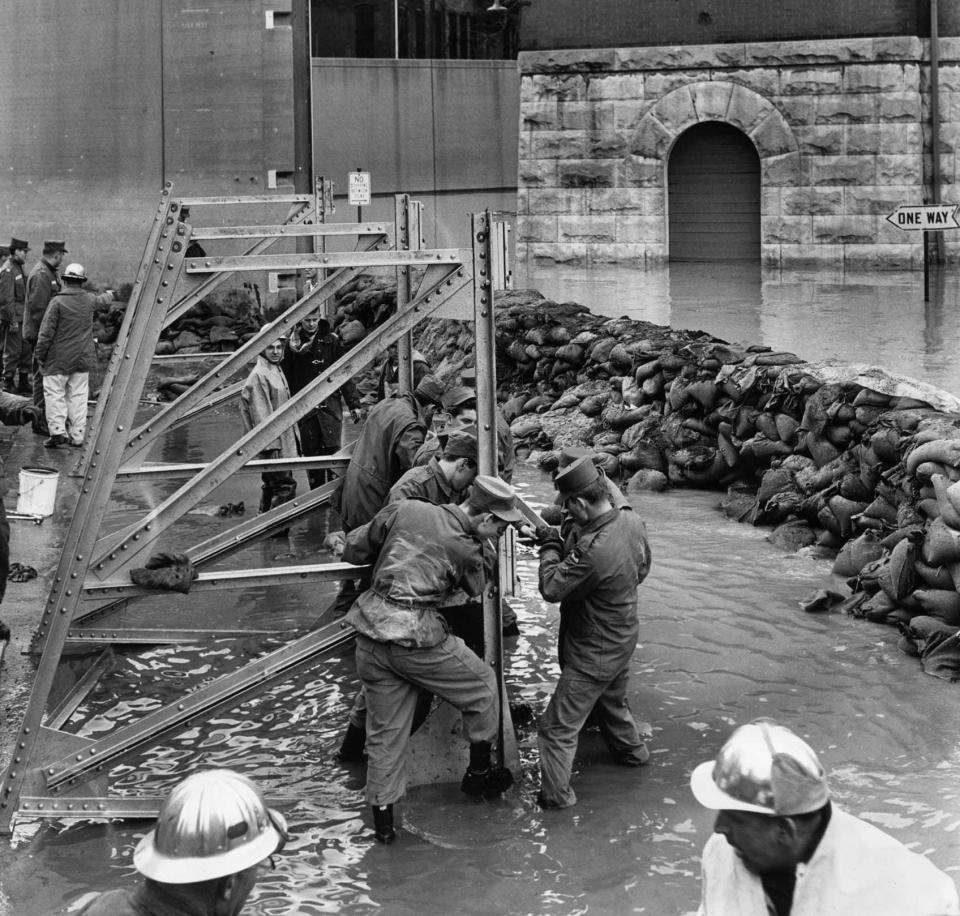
[877,317]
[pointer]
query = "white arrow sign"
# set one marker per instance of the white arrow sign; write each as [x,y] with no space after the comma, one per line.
[931,216]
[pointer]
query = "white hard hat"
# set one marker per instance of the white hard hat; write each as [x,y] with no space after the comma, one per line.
[74,272]
[214,823]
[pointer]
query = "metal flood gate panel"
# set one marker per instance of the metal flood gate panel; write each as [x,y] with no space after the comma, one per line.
[713,178]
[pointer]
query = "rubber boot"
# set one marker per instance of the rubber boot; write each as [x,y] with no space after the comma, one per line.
[383,823]
[481,779]
[351,750]
[26,384]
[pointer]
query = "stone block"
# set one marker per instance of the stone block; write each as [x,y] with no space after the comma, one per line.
[617,200]
[651,140]
[616,86]
[655,256]
[844,230]
[657,85]
[770,256]
[866,78]
[809,53]
[555,144]
[893,140]
[628,113]
[586,60]
[616,253]
[600,144]
[906,171]
[586,173]
[841,108]
[528,90]
[675,57]
[798,257]
[523,201]
[786,230]
[889,234]
[764,81]
[770,199]
[634,229]
[819,139]
[796,109]
[949,76]
[537,229]
[843,170]
[882,257]
[746,109]
[537,173]
[711,100]
[899,47]
[874,201]
[812,201]
[781,171]
[586,228]
[540,115]
[900,106]
[570,87]
[562,201]
[676,109]
[810,81]
[642,172]
[596,116]
[773,136]
[570,252]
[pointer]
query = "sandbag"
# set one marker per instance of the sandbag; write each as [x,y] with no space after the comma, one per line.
[939,603]
[948,513]
[941,545]
[938,645]
[856,553]
[944,451]
[844,510]
[933,576]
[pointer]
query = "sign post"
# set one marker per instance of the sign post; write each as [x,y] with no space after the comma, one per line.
[925,218]
[358,190]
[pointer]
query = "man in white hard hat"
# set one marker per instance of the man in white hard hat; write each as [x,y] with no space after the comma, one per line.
[213,834]
[781,848]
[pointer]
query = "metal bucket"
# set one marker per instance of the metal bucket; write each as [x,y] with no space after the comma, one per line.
[38,491]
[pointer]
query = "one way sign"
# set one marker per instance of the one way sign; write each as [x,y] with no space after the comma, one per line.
[927,218]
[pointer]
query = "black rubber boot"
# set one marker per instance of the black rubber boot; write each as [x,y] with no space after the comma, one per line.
[351,751]
[383,823]
[481,779]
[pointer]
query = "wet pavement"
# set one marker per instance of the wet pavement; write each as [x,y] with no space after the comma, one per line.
[722,640]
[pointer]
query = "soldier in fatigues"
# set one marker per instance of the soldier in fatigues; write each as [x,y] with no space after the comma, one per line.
[42,285]
[13,296]
[421,554]
[594,574]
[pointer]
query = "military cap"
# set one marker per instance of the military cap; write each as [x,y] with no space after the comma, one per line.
[51,246]
[16,243]
[460,444]
[445,433]
[572,453]
[468,376]
[490,494]
[458,396]
[576,477]
[430,390]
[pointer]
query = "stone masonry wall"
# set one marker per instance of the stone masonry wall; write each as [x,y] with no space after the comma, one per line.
[841,129]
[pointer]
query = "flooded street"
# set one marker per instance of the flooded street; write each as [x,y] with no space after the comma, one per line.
[722,641]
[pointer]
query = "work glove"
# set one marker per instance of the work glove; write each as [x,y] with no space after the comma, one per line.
[545,536]
[336,543]
[29,414]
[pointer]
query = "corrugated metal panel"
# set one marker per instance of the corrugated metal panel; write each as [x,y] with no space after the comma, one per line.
[714,187]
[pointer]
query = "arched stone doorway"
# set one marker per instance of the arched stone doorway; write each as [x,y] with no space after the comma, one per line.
[713,184]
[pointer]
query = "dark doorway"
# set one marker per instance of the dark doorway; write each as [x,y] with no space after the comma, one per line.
[713,181]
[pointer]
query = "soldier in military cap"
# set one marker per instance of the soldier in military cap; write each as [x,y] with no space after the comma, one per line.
[13,296]
[593,572]
[421,554]
[43,284]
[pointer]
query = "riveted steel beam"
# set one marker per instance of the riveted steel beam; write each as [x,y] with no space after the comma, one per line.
[113,807]
[80,691]
[288,231]
[250,199]
[116,550]
[223,693]
[154,636]
[187,471]
[330,260]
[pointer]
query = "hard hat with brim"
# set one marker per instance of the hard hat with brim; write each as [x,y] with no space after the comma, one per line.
[575,478]
[214,823]
[763,768]
[74,272]
[490,494]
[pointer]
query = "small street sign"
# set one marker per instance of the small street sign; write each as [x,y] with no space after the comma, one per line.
[358,189]
[925,218]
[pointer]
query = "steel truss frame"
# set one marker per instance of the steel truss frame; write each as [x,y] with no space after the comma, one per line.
[52,772]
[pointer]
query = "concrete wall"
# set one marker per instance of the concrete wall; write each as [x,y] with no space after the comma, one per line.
[622,23]
[839,127]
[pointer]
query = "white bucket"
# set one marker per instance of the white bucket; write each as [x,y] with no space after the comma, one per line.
[38,491]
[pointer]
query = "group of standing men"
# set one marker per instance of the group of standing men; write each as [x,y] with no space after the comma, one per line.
[46,328]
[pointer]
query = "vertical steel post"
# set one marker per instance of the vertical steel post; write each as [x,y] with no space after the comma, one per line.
[302,113]
[406,214]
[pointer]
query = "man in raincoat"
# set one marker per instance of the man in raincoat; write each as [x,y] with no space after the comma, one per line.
[594,574]
[780,847]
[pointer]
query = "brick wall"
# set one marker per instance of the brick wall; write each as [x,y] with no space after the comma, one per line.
[555,24]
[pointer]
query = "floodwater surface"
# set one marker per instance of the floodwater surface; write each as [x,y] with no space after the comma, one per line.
[723,640]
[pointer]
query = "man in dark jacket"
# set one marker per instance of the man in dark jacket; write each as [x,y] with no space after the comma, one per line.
[594,575]
[64,351]
[43,284]
[13,296]
[421,554]
[312,348]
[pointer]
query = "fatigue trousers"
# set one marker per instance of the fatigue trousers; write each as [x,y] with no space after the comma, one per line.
[313,442]
[17,355]
[66,404]
[559,729]
[392,677]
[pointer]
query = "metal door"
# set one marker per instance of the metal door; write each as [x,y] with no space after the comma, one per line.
[713,180]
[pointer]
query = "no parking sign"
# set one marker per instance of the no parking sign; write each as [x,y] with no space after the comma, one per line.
[358,189]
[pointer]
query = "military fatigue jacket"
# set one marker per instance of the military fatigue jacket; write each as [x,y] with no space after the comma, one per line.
[149,899]
[13,291]
[425,482]
[595,579]
[421,554]
[42,285]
